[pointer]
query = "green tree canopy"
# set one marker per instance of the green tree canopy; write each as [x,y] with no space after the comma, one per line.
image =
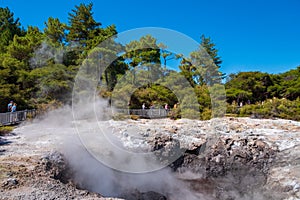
[9,27]
[203,65]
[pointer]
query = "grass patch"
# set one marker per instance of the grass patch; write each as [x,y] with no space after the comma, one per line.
[4,130]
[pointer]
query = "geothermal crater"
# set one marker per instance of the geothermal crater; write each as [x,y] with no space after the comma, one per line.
[226,158]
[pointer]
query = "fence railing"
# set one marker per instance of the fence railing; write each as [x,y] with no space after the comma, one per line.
[145,113]
[9,118]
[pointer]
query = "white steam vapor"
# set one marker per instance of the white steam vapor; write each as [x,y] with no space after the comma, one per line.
[44,53]
[89,173]
[61,131]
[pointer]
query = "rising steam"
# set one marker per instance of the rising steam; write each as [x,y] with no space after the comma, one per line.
[58,129]
[90,173]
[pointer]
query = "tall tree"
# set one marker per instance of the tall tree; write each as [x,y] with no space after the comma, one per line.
[207,63]
[166,55]
[22,48]
[203,65]
[145,55]
[85,33]
[286,85]
[55,31]
[82,27]
[187,69]
[16,62]
[82,24]
[210,48]
[9,27]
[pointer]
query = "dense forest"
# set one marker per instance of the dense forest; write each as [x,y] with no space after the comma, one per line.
[38,69]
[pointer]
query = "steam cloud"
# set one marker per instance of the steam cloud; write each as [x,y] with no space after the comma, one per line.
[45,53]
[91,174]
[59,128]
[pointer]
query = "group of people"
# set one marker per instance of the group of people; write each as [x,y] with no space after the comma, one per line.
[166,106]
[12,107]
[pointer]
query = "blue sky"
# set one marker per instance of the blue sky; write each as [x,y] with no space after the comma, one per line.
[251,35]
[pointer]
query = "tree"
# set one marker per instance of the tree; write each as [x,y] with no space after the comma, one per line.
[52,82]
[17,62]
[55,31]
[144,51]
[287,85]
[203,65]
[82,24]
[155,95]
[210,48]
[207,63]
[22,47]
[187,69]
[9,27]
[112,73]
[246,86]
[85,33]
[143,56]
[82,27]
[166,55]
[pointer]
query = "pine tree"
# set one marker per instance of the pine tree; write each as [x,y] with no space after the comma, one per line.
[82,24]
[207,63]
[9,27]
[55,31]
[210,48]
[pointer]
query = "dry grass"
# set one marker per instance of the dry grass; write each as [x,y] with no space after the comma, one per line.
[4,130]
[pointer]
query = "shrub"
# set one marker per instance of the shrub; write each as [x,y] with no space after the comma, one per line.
[5,130]
[175,113]
[271,108]
[44,107]
[190,113]
[134,117]
[120,117]
[206,114]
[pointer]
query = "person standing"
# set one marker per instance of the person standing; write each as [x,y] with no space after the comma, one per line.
[9,106]
[152,106]
[166,107]
[175,106]
[14,108]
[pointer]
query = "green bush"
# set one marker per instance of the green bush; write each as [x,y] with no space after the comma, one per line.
[5,130]
[232,108]
[271,108]
[120,117]
[175,113]
[206,114]
[190,113]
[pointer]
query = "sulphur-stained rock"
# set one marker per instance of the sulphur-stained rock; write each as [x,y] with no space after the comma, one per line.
[221,159]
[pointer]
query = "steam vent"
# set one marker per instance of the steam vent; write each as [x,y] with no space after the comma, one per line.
[225,158]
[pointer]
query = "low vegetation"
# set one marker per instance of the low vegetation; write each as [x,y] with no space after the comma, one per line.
[4,130]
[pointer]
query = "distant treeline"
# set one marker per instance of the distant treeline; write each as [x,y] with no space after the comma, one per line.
[38,69]
[269,95]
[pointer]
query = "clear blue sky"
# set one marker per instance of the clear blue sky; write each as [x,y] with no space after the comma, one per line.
[251,35]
